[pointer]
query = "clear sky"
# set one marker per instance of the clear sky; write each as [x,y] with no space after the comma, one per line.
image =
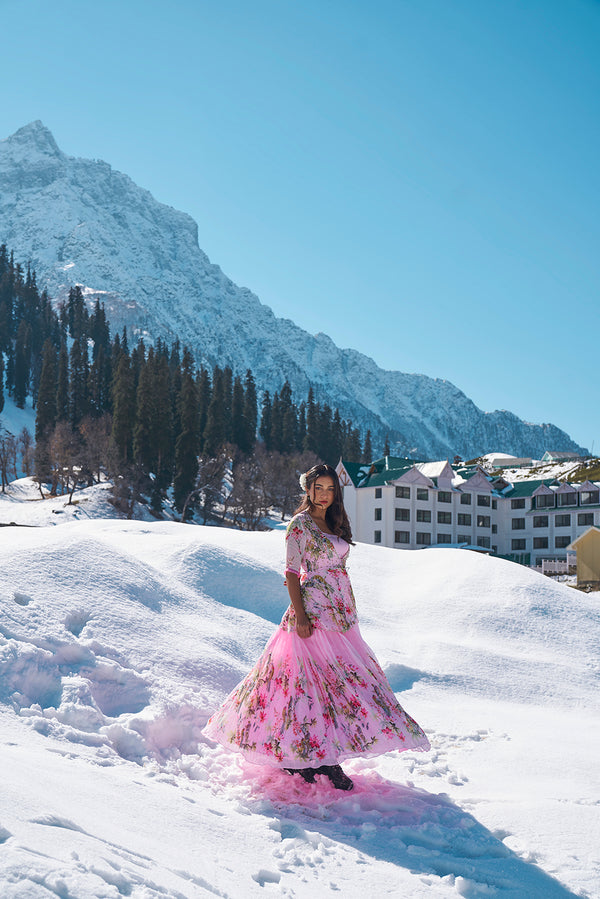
[419,179]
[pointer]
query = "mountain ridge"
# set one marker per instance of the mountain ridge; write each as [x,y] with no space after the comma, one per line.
[79,221]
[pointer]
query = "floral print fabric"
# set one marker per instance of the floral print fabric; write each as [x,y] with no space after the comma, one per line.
[320,562]
[320,700]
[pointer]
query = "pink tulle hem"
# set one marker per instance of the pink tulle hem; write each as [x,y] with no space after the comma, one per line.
[314,702]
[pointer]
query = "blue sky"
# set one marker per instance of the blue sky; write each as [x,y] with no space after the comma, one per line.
[419,180]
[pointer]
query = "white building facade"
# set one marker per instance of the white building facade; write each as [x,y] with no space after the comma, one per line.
[411,505]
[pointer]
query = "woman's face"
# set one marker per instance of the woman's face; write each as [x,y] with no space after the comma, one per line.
[322,492]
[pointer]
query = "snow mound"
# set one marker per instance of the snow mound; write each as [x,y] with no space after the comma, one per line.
[118,639]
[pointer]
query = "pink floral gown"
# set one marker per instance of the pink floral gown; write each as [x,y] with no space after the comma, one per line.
[320,700]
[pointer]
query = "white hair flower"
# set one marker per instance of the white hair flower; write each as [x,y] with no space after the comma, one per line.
[302,480]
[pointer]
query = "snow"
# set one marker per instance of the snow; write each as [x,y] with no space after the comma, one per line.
[13,419]
[118,639]
[80,222]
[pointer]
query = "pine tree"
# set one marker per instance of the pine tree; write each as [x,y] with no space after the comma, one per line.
[99,331]
[78,382]
[1,380]
[238,431]
[77,314]
[367,454]
[336,439]
[144,434]
[324,439]
[265,420]
[352,447]
[123,409]
[62,384]
[22,356]
[204,398]
[215,433]
[187,446]
[276,422]
[301,432]
[289,420]
[386,447]
[46,404]
[227,405]
[311,437]
[250,412]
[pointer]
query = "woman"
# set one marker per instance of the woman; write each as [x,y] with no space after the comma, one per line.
[317,695]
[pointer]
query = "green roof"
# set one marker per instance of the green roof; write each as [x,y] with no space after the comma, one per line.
[526,488]
[379,472]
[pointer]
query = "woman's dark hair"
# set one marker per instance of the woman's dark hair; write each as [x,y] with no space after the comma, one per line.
[335,516]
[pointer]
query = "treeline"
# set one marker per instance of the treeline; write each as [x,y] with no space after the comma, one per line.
[164,430]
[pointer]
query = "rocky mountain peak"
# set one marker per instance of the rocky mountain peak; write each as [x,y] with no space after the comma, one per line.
[80,222]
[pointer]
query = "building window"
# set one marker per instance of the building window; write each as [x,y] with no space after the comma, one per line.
[402,514]
[518,545]
[464,519]
[518,503]
[422,493]
[589,498]
[377,537]
[444,517]
[423,515]
[544,501]
[401,536]
[483,500]
[463,538]
[561,542]
[494,529]
[540,543]
[444,496]
[484,542]
[585,519]
[402,492]
[483,521]
[567,499]
[465,499]
[378,493]
[444,538]
[423,539]
[518,524]
[540,521]
[377,514]
[562,521]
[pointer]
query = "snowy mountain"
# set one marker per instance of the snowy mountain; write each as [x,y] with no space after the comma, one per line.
[119,638]
[79,222]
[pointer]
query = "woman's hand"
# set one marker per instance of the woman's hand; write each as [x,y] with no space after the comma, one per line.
[303,627]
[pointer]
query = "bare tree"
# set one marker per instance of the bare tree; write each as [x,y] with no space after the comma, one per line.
[248,495]
[96,442]
[65,459]
[7,453]
[280,474]
[211,486]
[26,446]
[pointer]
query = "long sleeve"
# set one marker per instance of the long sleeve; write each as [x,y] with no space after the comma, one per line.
[295,541]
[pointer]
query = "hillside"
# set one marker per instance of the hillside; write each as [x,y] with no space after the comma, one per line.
[80,222]
[118,639]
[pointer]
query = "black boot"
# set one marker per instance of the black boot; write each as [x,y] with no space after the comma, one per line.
[307,773]
[337,777]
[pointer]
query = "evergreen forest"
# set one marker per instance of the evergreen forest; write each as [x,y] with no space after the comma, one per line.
[166,432]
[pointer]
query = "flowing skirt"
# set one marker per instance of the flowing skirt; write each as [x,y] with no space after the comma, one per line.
[314,702]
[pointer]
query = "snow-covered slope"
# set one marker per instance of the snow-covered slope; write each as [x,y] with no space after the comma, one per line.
[79,221]
[117,639]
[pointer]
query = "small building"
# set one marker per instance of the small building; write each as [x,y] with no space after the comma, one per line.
[512,462]
[566,456]
[587,547]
